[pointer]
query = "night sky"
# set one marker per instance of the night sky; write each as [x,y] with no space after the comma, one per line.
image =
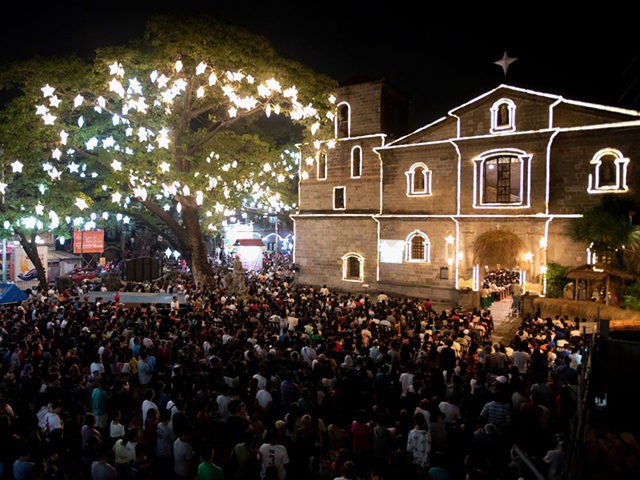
[437,60]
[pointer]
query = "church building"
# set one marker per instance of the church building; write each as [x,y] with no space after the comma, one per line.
[412,214]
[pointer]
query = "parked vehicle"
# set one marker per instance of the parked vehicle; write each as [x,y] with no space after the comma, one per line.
[82,274]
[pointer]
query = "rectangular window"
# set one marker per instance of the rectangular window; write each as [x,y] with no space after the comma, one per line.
[339,200]
[502,180]
[322,166]
[353,267]
[356,162]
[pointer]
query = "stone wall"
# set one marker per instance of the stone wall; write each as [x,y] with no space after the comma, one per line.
[550,307]
[322,242]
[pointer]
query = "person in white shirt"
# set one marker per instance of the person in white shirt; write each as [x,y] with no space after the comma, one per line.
[261,377]
[383,297]
[175,304]
[148,403]
[419,442]
[116,428]
[406,382]
[264,398]
[183,453]
[223,399]
[273,455]
[451,412]
[308,353]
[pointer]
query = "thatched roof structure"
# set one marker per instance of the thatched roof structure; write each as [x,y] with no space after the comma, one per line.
[598,272]
[498,248]
[592,278]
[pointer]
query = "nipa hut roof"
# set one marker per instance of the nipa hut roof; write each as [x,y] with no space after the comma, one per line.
[598,272]
[499,247]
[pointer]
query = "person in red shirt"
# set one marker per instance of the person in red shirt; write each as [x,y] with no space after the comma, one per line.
[361,441]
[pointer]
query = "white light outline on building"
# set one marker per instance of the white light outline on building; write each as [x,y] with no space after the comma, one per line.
[427,247]
[547,193]
[546,253]
[558,100]
[621,163]
[295,244]
[344,197]
[604,126]
[324,154]
[548,95]
[357,147]
[344,259]
[337,120]
[478,173]
[443,215]
[459,179]
[475,276]
[457,247]
[377,249]
[511,126]
[410,174]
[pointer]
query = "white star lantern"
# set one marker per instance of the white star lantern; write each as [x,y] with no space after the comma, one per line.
[81,203]
[47,90]
[505,61]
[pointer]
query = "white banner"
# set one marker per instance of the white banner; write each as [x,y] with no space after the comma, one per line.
[24,272]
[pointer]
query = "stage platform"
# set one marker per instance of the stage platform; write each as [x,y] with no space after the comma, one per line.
[135,298]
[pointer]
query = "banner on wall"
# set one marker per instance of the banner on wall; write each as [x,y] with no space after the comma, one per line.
[392,251]
[88,241]
[23,268]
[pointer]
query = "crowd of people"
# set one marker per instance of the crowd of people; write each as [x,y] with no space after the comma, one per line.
[498,285]
[289,381]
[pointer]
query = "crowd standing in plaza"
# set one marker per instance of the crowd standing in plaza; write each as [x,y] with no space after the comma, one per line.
[286,382]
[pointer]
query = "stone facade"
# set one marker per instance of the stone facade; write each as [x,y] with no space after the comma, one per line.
[411,206]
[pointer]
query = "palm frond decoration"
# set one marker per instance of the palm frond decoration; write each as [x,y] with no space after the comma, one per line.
[498,249]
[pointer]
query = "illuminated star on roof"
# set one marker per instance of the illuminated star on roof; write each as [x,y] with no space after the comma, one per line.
[505,61]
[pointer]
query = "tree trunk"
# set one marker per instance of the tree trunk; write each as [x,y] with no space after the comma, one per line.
[30,248]
[188,234]
[195,251]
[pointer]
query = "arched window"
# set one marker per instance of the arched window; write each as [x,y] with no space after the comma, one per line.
[342,120]
[417,247]
[356,162]
[501,178]
[418,180]
[503,116]
[609,174]
[322,166]
[353,267]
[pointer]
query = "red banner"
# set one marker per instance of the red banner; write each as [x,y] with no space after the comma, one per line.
[90,241]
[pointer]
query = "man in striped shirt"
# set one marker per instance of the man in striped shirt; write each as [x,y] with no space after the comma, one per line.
[498,412]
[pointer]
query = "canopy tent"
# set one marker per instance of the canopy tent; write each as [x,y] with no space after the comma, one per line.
[600,282]
[9,293]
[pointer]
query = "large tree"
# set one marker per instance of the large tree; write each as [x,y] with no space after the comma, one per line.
[176,128]
[608,231]
[35,197]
